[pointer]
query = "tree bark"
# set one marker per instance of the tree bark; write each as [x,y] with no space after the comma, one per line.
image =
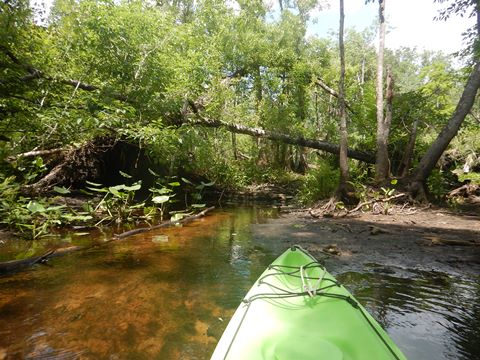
[406,161]
[343,111]
[433,154]
[285,138]
[35,153]
[382,162]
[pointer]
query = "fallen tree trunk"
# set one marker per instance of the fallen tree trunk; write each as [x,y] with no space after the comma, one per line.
[285,138]
[35,153]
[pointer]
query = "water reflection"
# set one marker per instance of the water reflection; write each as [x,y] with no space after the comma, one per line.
[430,314]
[170,294]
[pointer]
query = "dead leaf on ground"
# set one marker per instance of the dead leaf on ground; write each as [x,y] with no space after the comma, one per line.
[331,249]
[375,230]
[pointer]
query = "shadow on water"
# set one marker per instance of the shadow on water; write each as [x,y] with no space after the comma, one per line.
[170,294]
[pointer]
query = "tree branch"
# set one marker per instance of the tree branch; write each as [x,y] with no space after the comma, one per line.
[34,73]
[331,91]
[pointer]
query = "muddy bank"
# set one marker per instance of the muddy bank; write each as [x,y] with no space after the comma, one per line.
[384,243]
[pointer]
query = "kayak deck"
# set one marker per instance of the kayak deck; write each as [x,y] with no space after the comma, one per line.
[297,310]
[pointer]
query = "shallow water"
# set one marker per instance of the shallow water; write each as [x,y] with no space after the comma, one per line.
[169,295]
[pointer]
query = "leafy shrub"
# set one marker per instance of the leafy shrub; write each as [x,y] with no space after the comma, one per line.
[319,183]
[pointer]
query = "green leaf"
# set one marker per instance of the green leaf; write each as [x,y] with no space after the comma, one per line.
[92,183]
[160,199]
[152,172]
[198,206]
[177,217]
[207,184]
[175,183]
[394,182]
[61,190]
[35,207]
[134,187]
[125,175]
[103,190]
[54,208]
[186,181]
[137,206]
[163,190]
[115,190]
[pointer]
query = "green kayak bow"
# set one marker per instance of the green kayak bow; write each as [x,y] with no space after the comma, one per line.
[296,310]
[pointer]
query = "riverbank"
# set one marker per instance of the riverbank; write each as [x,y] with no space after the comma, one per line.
[430,239]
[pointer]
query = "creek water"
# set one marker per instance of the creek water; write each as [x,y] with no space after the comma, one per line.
[169,295]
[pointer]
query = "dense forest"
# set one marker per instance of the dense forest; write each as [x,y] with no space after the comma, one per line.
[98,96]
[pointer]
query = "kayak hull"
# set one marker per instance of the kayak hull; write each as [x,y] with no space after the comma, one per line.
[297,310]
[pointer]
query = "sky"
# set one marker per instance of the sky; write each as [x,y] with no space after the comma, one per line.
[409,23]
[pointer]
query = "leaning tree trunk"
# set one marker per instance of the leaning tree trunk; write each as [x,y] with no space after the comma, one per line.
[433,154]
[382,162]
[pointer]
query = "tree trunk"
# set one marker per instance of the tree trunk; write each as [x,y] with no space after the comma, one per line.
[382,162]
[433,154]
[342,108]
[406,161]
[234,146]
[257,83]
[276,136]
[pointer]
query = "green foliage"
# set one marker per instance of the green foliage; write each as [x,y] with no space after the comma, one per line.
[147,67]
[439,183]
[473,177]
[117,203]
[319,183]
[163,194]
[34,218]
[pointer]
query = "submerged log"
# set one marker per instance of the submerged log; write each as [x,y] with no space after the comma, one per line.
[162,225]
[17,265]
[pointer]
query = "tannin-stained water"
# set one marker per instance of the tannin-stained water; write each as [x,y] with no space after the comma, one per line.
[169,295]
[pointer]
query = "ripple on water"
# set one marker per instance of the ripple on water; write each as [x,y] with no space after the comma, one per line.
[430,315]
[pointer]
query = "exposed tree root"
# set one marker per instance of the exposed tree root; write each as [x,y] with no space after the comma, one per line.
[75,166]
[377,205]
[465,191]
[374,201]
